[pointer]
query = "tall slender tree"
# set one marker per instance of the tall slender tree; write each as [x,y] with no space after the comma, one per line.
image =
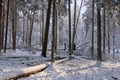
[3,22]
[6,32]
[99,54]
[108,22]
[92,30]
[79,14]
[53,31]
[114,41]
[56,30]
[70,47]
[0,24]
[14,17]
[104,28]
[15,29]
[31,29]
[23,39]
[43,12]
[45,42]
[74,27]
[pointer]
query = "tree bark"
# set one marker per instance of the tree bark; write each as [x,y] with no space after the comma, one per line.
[92,53]
[99,54]
[78,15]
[74,27]
[104,28]
[14,75]
[114,42]
[43,12]
[14,25]
[3,22]
[108,33]
[6,32]
[70,47]
[31,30]
[0,24]
[45,42]
[53,31]
[24,29]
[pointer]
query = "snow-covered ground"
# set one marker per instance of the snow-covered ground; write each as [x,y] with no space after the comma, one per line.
[76,68]
[79,69]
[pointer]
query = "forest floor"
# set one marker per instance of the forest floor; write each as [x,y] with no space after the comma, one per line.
[75,68]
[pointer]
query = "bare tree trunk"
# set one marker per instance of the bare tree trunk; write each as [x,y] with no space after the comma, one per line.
[56,15]
[31,30]
[0,24]
[53,31]
[99,54]
[15,29]
[114,42]
[108,23]
[104,28]
[74,27]
[45,42]
[108,33]
[43,12]
[70,47]
[92,30]
[41,29]
[6,32]
[23,30]
[14,17]
[3,22]
[27,33]
[78,15]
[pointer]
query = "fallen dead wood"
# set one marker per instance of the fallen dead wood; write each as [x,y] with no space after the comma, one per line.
[14,75]
[33,62]
[62,60]
[82,44]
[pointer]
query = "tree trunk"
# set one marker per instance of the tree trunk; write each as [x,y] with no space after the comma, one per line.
[104,28]
[99,54]
[92,53]
[31,30]
[24,29]
[108,23]
[41,29]
[45,42]
[43,12]
[114,42]
[14,17]
[70,48]
[78,16]
[108,33]
[0,24]
[73,36]
[53,31]
[6,32]
[56,15]
[27,33]
[15,29]
[3,22]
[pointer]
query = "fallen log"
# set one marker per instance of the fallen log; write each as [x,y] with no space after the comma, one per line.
[62,60]
[14,75]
